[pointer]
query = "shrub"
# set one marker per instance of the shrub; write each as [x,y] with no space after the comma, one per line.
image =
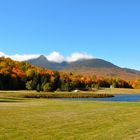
[47,87]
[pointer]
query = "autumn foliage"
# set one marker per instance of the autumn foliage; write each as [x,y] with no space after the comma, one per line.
[16,75]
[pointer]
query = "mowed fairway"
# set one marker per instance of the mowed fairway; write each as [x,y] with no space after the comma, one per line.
[49,119]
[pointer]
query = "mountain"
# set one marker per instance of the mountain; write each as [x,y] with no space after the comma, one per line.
[132,71]
[92,63]
[89,67]
[41,61]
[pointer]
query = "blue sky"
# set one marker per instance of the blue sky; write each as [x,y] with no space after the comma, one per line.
[105,29]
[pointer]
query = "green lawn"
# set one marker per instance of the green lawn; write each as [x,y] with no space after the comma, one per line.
[44,119]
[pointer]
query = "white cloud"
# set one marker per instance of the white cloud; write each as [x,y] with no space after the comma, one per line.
[24,57]
[54,57]
[77,56]
[2,54]
[20,57]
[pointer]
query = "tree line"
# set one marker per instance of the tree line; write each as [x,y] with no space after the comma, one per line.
[16,75]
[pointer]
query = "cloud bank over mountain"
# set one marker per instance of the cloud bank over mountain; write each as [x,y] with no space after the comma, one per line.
[19,57]
[54,56]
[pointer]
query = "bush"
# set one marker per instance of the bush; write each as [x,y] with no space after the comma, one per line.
[29,85]
[47,87]
[38,89]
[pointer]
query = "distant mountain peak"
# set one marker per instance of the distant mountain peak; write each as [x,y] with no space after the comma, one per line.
[41,61]
[42,57]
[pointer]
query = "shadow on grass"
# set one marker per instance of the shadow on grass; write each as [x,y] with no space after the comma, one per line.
[7,100]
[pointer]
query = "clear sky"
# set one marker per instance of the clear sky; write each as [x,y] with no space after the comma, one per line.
[108,29]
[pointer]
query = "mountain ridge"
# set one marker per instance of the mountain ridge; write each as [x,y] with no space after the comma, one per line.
[91,66]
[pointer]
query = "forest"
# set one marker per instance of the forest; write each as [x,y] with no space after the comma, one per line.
[16,75]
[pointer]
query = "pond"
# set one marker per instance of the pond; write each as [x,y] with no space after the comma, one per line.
[116,98]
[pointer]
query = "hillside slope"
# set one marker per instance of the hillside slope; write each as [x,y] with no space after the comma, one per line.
[98,67]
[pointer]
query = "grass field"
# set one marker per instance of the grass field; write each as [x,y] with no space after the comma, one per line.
[119,91]
[49,119]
